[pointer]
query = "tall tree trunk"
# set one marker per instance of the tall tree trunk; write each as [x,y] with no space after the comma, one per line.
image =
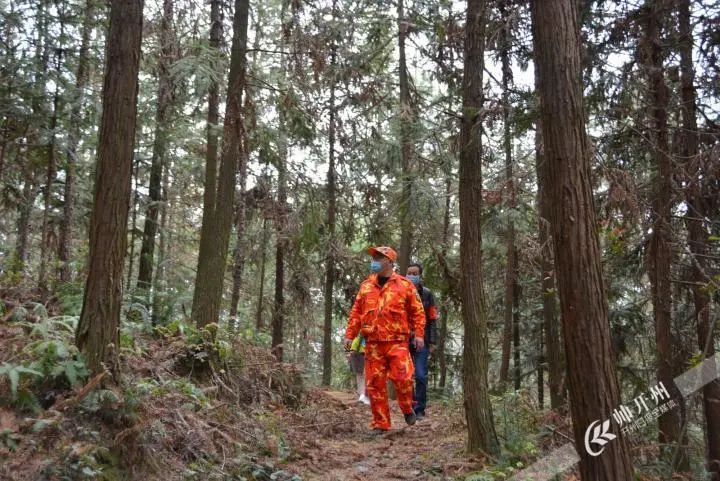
[516,324]
[510,331]
[98,331]
[133,222]
[29,193]
[81,80]
[51,172]
[554,355]
[698,209]
[240,221]
[6,72]
[659,249]
[162,123]
[278,316]
[211,156]
[540,365]
[407,117]
[210,189]
[444,310]
[216,232]
[160,272]
[241,215]
[330,256]
[478,411]
[263,262]
[29,168]
[586,327]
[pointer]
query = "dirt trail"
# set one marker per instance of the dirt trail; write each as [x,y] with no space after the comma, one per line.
[432,449]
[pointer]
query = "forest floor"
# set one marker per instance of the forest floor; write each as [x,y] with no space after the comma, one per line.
[244,416]
[432,449]
[173,417]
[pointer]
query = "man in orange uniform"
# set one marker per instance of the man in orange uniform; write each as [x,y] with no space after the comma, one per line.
[386,309]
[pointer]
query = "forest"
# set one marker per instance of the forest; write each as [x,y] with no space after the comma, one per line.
[197,196]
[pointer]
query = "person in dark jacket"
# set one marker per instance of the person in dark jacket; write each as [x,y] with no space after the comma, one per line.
[420,356]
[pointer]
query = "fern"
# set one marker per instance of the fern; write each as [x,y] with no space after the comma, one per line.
[14,372]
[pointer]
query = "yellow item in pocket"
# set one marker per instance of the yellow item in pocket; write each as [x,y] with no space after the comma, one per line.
[358,344]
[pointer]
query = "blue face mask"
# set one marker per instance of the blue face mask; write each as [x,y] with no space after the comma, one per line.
[375,266]
[414,279]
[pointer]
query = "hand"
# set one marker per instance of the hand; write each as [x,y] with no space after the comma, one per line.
[348,344]
[419,343]
[432,348]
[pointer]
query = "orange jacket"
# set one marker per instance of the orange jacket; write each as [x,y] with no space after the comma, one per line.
[387,313]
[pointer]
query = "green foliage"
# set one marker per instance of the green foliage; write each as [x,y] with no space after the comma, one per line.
[132,329]
[517,425]
[71,298]
[190,390]
[101,399]
[144,387]
[173,329]
[205,350]
[9,439]
[241,468]
[53,328]
[15,373]
[272,423]
[54,353]
[86,462]
[19,314]
[137,312]
[494,473]
[50,361]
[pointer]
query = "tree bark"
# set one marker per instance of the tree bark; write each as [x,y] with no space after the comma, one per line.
[160,272]
[133,222]
[29,193]
[698,209]
[444,310]
[211,156]
[81,80]
[212,261]
[540,362]
[478,411]
[98,331]
[330,254]
[659,248]
[241,215]
[263,261]
[554,355]
[29,167]
[162,123]
[51,173]
[278,317]
[406,146]
[240,222]
[511,328]
[586,327]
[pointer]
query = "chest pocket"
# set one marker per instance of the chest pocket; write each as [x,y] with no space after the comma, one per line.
[368,322]
[394,306]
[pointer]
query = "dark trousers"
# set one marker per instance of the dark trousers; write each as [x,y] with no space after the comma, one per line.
[420,360]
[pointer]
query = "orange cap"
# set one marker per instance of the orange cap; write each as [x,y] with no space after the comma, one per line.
[386,251]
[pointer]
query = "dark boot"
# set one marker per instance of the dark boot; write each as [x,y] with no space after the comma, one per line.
[410,419]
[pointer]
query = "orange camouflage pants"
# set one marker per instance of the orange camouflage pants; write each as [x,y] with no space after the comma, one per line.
[385,360]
